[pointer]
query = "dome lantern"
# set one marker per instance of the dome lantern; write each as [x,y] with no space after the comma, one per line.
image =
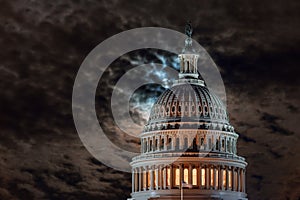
[188,58]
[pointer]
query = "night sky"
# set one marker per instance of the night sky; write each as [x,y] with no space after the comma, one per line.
[255,44]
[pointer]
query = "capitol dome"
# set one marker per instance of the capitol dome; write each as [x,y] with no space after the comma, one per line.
[192,101]
[188,143]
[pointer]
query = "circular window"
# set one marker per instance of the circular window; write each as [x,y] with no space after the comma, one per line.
[205,109]
[173,108]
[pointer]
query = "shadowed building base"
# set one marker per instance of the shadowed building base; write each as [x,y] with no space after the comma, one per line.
[190,194]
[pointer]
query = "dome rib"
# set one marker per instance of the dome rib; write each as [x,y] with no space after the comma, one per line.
[190,101]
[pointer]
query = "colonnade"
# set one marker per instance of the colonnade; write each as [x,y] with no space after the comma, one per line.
[206,177]
[188,63]
[206,142]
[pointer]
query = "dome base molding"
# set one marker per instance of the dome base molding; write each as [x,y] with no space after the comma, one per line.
[190,194]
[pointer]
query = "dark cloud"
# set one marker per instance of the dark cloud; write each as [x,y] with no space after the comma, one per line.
[274,126]
[254,43]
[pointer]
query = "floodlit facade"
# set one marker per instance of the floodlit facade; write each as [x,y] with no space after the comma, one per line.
[188,147]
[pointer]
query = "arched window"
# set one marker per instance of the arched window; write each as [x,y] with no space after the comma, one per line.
[185,143]
[145,146]
[177,144]
[194,176]
[210,109]
[223,145]
[177,177]
[205,110]
[202,142]
[217,145]
[203,177]
[227,146]
[186,175]
[162,144]
[170,143]
[194,144]
[155,144]
[150,145]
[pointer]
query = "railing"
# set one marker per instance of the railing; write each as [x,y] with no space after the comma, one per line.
[187,154]
[186,81]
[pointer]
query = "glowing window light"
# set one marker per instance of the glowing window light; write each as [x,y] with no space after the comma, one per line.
[186,175]
[168,176]
[149,179]
[194,173]
[203,177]
[211,177]
[224,178]
[177,177]
[217,178]
[229,178]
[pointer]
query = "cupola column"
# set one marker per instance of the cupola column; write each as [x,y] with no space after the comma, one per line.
[181,174]
[244,180]
[232,179]
[227,178]
[132,180]
[200,177]
[159,171]
[147,178]
[171,178]
[158,143]
[156,181]
[165,177]
[140,178]
[165,143]
[215,178]
[238,180]
[221,186]
[151,178]
[207,176]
